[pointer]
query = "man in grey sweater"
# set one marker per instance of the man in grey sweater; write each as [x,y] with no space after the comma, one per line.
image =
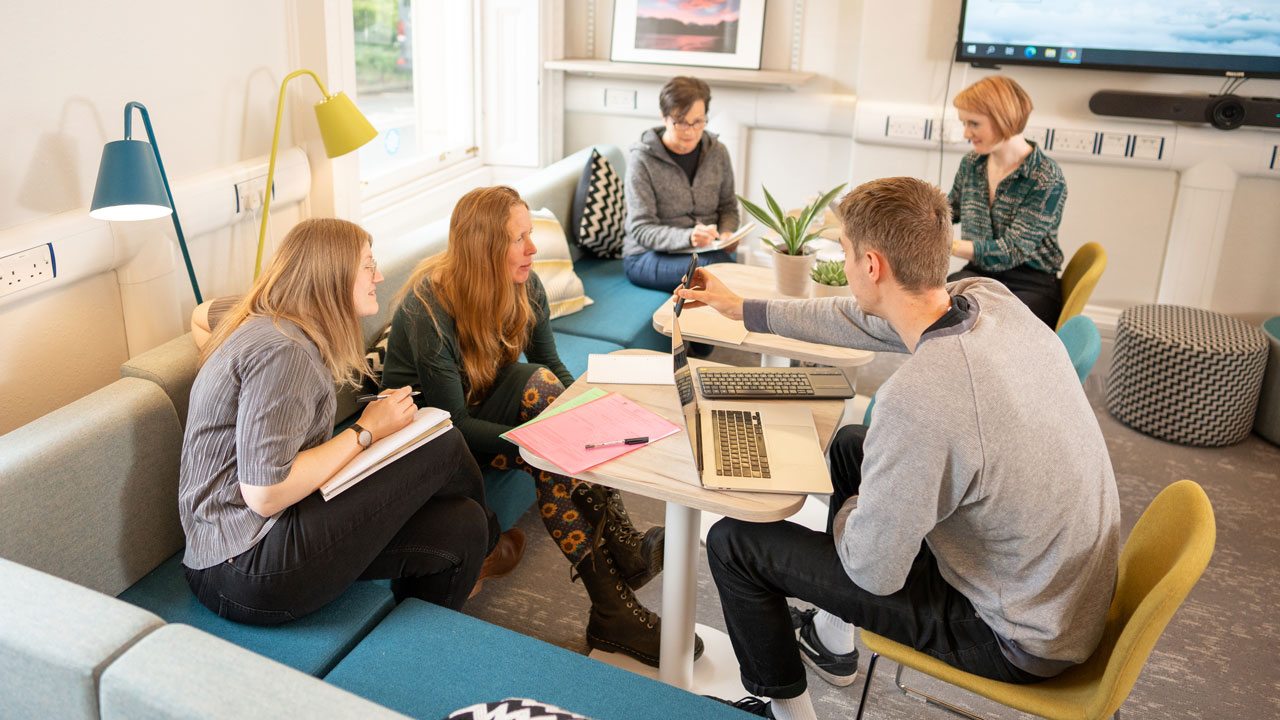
[679,190]
[976,520]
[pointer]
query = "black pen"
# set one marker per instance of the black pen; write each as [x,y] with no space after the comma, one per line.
[369,398]
[628,441]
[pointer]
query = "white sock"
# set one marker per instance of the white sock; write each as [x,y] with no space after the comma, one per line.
[835,634]
[796,708]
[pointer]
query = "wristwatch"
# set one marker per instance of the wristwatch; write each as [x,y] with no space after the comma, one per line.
[364,437]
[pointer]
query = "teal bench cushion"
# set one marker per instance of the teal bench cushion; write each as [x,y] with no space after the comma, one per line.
[312,644]
[508,493]
[622,313]
[426,661]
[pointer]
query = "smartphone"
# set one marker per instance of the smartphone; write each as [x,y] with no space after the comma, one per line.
[688,281]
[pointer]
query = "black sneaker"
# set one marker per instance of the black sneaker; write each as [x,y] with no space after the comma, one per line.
[839,670]
[750,704]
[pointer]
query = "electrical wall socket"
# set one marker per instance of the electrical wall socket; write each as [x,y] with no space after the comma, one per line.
[1080,141]
[25,268]
[1148,147]
[906,127]
[249,194]
[619,99]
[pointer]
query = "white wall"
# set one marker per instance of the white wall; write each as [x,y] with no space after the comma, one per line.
[774,158]
[209,75]
[899,52]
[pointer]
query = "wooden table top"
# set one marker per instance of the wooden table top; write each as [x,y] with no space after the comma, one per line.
[756,282]
[665,469]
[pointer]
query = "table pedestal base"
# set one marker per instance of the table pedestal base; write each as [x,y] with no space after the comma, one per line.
[715,673]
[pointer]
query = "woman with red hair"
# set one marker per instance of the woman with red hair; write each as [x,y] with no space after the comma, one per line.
[1008,198]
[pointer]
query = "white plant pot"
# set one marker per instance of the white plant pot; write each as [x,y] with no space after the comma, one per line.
[817,289]
[791,273]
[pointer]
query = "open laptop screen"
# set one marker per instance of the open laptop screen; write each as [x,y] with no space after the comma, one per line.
[684,386]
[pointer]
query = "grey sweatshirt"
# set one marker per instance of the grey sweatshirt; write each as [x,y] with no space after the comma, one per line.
[985,447]
[663,206]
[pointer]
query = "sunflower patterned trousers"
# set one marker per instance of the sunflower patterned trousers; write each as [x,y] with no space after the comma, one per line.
[566,526]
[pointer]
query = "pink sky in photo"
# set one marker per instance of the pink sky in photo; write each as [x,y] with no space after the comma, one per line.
[701,12]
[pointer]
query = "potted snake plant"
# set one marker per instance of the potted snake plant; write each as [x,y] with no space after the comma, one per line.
[791,257]
[828,279]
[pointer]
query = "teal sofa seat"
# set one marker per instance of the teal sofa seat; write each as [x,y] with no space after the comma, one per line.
[426,661]
[574,349]
[312,644]
[622,313]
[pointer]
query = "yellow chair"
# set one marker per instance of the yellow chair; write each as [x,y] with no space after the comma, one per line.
[1163,558]
[1080,278]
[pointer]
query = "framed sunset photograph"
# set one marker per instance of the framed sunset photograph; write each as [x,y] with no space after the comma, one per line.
[708,33]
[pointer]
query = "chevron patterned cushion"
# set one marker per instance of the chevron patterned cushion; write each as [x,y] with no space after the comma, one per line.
[513,709]
[599,209]
[1186,375]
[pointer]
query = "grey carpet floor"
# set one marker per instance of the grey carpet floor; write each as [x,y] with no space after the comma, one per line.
[1217,658]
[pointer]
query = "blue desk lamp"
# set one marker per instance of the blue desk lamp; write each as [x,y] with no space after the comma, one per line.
[132,184]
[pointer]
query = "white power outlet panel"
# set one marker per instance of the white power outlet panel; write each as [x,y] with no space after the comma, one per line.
[1075,141]
[907,128]
[25,268]
[616,99]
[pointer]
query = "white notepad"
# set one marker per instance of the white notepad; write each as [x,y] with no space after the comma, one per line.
[630,369]
[427,424]
[718,244]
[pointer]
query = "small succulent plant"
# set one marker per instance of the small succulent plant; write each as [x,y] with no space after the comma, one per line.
[829,272]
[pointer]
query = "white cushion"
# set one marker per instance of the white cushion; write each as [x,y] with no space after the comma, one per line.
[554,265]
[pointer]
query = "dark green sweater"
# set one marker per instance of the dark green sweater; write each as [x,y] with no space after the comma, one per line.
[431,361]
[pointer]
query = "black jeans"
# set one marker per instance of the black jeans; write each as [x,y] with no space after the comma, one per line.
[421,521]
[1041,291]
[758,566]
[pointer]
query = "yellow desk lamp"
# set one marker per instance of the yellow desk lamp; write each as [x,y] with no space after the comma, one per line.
[342,127]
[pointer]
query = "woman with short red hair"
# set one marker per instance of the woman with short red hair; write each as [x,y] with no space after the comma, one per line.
[1008,198]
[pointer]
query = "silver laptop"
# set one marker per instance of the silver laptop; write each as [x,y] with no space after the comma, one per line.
[763,447]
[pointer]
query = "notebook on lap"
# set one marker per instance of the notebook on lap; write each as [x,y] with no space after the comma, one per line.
[762,447]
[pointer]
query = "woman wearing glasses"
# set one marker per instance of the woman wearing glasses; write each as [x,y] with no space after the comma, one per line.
[679,190]
[263,546]
[463,319]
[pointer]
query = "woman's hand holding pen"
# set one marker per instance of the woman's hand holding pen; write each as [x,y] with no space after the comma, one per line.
[703,235]
[394,411]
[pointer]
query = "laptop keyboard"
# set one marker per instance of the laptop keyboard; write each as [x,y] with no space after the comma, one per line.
[739,441]
[727,384]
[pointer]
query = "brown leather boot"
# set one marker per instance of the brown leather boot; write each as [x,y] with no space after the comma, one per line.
[639,556]
[619,623]
[504,558]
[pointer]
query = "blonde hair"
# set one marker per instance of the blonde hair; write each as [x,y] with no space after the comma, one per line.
[908,221]
[311,283]
[999,98]
[492,315]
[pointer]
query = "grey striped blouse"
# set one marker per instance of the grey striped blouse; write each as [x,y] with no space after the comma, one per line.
[261,398]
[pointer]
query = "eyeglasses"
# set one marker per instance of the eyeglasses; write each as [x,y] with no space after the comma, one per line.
[695,125]
[372,267]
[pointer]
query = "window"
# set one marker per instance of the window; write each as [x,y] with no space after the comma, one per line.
[415,81]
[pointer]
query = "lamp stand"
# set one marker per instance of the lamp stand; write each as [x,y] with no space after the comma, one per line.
[177,226]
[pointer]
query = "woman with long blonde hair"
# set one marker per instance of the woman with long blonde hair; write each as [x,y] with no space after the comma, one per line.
[263,546]
[464,318]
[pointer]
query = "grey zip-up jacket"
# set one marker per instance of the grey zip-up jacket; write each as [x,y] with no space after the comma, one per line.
[985,447]
[663,206]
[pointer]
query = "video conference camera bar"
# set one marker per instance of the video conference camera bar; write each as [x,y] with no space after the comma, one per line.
[1225,112]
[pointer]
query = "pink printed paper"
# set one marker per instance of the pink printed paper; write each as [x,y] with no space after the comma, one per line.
[562,439]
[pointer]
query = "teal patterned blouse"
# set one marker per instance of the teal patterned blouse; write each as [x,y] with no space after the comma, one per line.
[1021,226]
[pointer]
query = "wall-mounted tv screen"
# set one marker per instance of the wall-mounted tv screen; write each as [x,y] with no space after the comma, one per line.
[1237,39]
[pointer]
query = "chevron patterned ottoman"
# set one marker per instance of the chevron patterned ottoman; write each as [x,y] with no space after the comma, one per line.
[1186,375]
